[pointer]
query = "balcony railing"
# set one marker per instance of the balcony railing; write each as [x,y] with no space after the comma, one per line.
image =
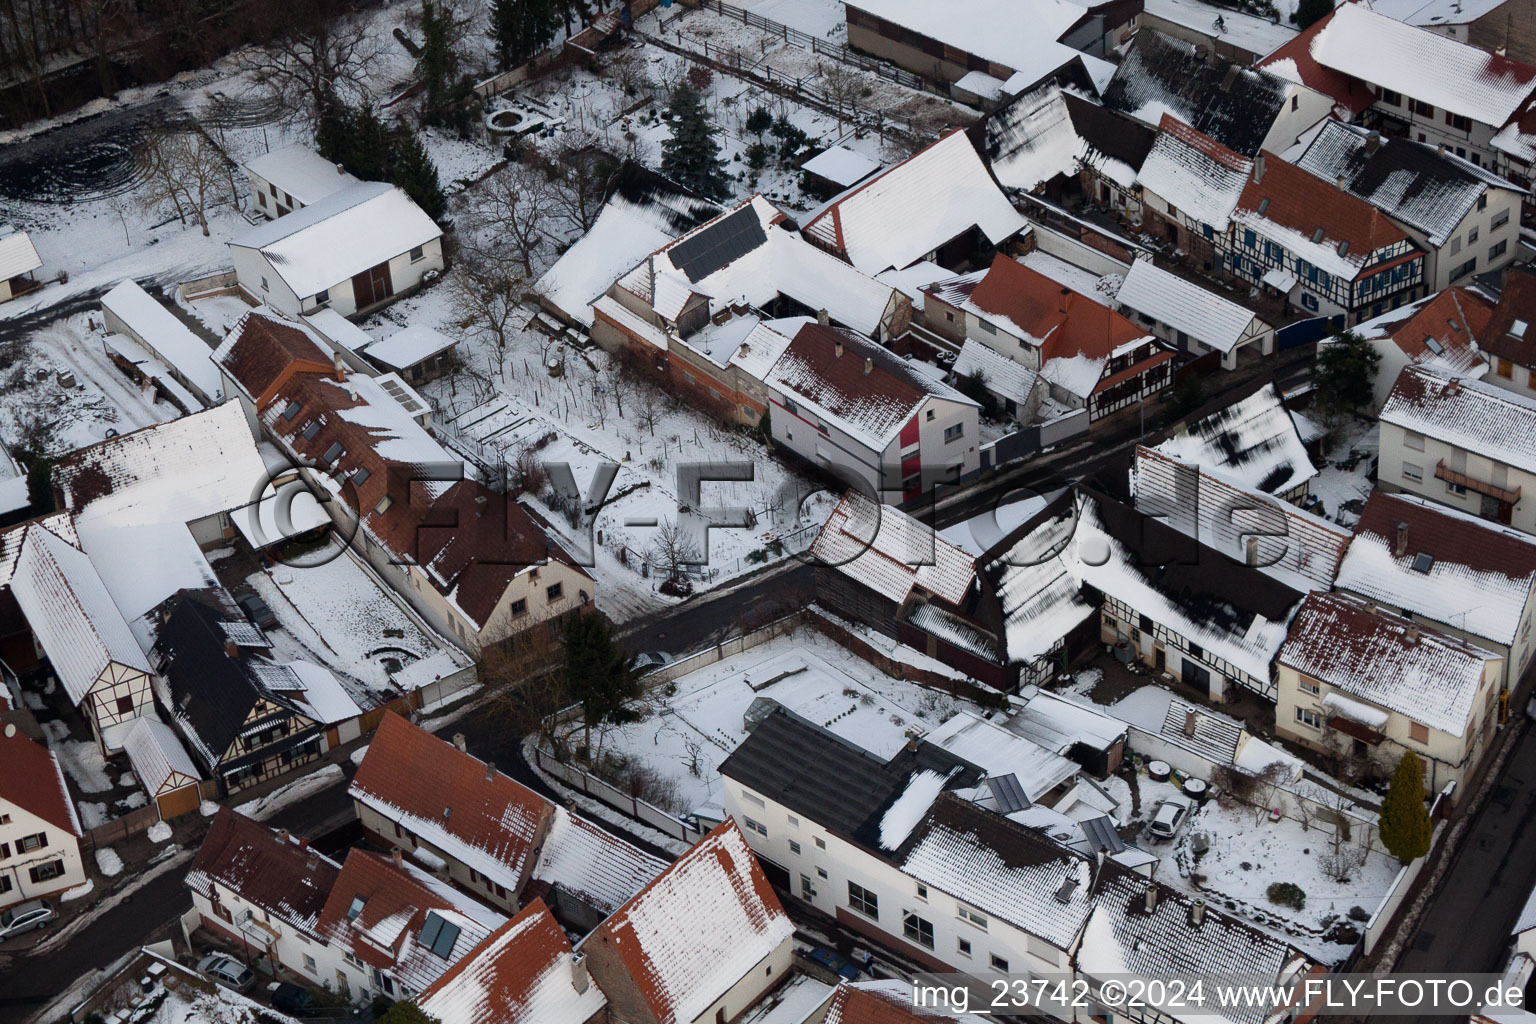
[1450,476]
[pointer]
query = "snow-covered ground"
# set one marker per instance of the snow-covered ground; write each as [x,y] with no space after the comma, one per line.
[687,734]
[264,807]
[81,759]
[1346,478]
[825,18]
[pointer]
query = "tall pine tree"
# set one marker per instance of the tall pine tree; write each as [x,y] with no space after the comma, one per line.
[416,175]
[521,29]
[599,674]
[437,66]
[691,157]
[1404,827]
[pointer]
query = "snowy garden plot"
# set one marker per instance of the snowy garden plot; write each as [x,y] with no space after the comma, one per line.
[690,729]
[1346,477]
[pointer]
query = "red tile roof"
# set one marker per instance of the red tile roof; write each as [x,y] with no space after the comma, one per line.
[1458,320]
[880,1003]
[442,795]
[30,778]
[1203,143]
[1304,202]
[1067,323]
[276,872]
[260,347]
[1345,90]
[1517,302]
[522,974]
[697,929]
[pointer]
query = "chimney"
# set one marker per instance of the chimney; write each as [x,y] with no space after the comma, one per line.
[340,169]
[1401,547]
[1373,142]
[580,979]
[1190,720]
[1251,551]
[231,649]
[458,740]
[823,318]
[912,740]
[1412,634]
[1197,912]
[338,366]
[480,502]
[1441,149]
[1258,169]
[1151,895]
[1340,181]
[312,863]
[395,856]
[869,365]
[837,349]
[490,771]
[282,835]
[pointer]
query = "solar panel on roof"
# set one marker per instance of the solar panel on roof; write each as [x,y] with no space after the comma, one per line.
[1102,835]
[439,935]
[719,244]
[1008,793]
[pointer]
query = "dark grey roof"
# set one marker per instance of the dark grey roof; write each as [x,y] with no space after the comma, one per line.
[1406,180]
[681,209]
[720,244]
[1110,133]
[1234,105]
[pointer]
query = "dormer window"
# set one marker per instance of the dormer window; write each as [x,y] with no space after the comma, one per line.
[310,430]
[360,477]
[332,453]
[292,411]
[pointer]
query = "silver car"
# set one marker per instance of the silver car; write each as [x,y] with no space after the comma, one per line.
[227,971]
[24,917]
[1171,814]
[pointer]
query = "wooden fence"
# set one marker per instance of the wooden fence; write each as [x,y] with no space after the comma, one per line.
[616,798]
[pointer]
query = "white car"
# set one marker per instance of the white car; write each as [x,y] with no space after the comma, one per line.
[24,917]
[1171,815]
[227,971]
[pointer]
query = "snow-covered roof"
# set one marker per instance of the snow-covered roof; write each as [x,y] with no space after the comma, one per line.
[911,281]
[999,752]
[17,255]
[1194,174]
[327,242]
[301,173]
[1003,869]
[1527,919]
[1444,331]
[1123,937]
[592,864]
[324,698]
[1431,68]
[1183,305]
[1431,560]
[1032,139]
[891,553]
[991,29]
[1042,599]
[1057,722]
[71,613]
[337,329]
[912,209]
[1253,442]
[1369,653]
[34,781]
[1409,181]
[1434,13]
[1299,549]
[823,369]
[170,339]
[696,930]
[887,1001]
[763,345]
[1249,32]
[157,755]
[841,166]
[276,873]
[522,974]
[1468,414]
[409,346]
[1007,377]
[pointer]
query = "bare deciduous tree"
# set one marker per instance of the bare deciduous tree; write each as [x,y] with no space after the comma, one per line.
[674,549]
[312,61]
[843,86]
[586,172]
[516,202]
[186,172]
[485,293]
[650,411]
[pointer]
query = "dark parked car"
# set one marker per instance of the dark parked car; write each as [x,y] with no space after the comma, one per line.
[290,998]
[256,609]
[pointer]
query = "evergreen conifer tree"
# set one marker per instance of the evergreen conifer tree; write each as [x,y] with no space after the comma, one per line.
[1405,828]
[414,172]
[691,157]
[522,28]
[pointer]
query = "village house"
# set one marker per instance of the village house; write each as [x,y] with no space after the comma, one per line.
[55,606]
[1152,930]
[1498,26]
[1246,110]
[1453,572]
[417,353]
[390,929]
[1445,332]
[1508,342]
[1464,217]
[487,833]
[474,563]
[39,831]
[18,260]
[1357,681]
[352,251]
[1322,249]
[703,942]
[147,337]
[263,891]
[1464,443]
[247,717]
[525,972]
[292,177]
[1190,184]
[879,566]
[1429,88]
[694,307]
[939,205]
[834,169]
[1195,318]
[990,49]
[1251,440]
[856,410]
[892,853]
[1015,389]
[1088,356]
